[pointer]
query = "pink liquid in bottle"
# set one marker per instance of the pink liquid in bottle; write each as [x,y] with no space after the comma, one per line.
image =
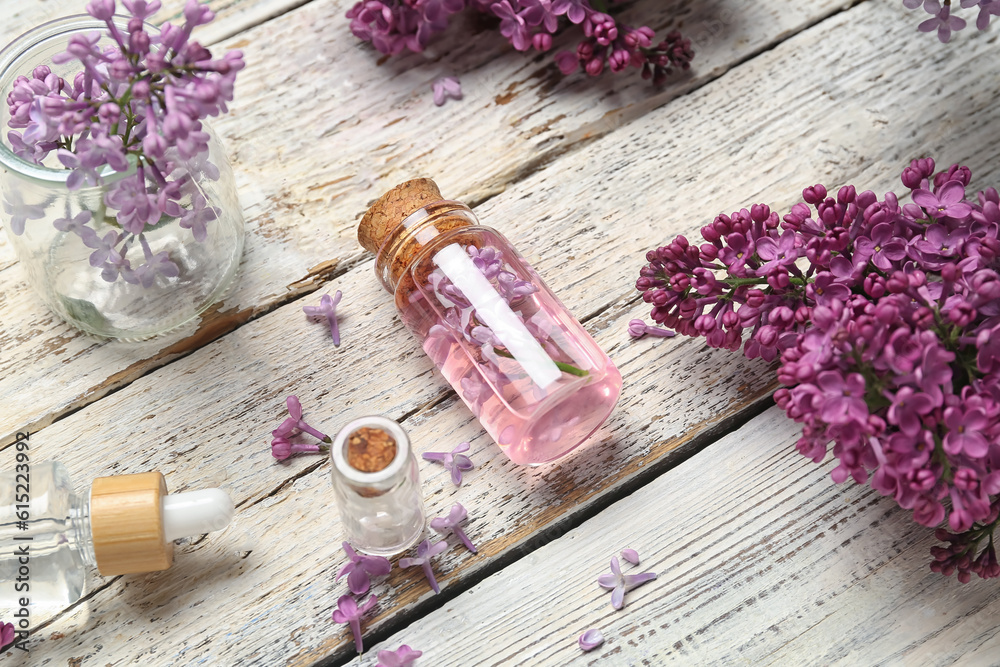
[535,379]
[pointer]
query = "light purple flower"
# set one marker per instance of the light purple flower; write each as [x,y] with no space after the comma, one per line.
[575,10]
[453,461]
[512,25]
[426,551]
[296,423]
[445,88]
[943,21]
[620,583]
[591,639]
[349,612]
[401,657]
[20,212]
[361,568]
[456,515]
[327,309]
[631,555]
[282,448]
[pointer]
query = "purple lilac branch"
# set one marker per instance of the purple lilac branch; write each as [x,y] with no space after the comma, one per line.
[394,26]
[885,316]
[138,102]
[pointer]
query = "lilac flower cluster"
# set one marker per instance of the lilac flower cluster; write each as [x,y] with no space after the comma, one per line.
[886,318]
[281,444]
[393,26]
[943,23]
[135,107]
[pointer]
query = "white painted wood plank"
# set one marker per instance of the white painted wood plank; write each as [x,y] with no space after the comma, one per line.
[761,559]
[319,128]
[674,390]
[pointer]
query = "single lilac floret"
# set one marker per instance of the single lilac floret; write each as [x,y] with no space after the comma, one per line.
[327,308]
[638,329]
[453,461]
[620,583]
[349,612]
[296,423]
[456,515]
[282,448]
[445,88]
[631,555]
[591,639]
[426,551]
[360,568]
[401,657]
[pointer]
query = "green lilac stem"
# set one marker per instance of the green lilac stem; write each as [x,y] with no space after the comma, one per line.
[565,368]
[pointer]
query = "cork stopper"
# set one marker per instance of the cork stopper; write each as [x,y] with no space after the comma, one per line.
[392,208]
[126,521]
[370,449]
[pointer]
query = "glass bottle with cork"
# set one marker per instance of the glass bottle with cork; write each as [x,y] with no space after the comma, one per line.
[532,375]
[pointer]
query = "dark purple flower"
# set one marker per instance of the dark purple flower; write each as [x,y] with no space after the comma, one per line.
[638,329]
[965,431]
[327,309]
[947,202]
[620,583]
[360,568]
[512,25]
[295,423]
[426,551]
[575,10]
[454,461]
[7,634]
[282,448]
[350,613]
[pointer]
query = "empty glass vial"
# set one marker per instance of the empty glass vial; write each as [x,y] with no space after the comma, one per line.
[535,379]
[50,536]
[377,485]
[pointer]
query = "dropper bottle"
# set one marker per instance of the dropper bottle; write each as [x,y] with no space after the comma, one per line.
[127,524]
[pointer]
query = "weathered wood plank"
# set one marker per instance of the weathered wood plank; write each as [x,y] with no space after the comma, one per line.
[319,128]
[674,390]
[761,559]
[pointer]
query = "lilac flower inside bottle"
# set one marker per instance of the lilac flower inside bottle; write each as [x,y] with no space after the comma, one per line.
[531,374]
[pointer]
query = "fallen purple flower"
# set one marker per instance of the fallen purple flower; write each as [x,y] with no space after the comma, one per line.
[349,612]
[445,88]
[7,634]
[591,639]
[620,583]
[425,551]
[281,448]
[456,515]
[327,308]
[638,329]
[401,657]
[631,555]
[360,568]
[295,423]
[454,461]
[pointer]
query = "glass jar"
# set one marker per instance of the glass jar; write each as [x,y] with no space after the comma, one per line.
[531,374]
[377,489]
[67,269]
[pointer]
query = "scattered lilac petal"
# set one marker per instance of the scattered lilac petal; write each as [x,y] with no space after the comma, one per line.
[631,555]
[456,515]
[348,612]
[454,461]
[445,88]
[425,551]
[620,584]
[591,639]
[360,568]
[327,309]
[401,657]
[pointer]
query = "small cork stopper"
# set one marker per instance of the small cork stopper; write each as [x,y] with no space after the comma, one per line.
[392,208]
[370,449]
[126,522]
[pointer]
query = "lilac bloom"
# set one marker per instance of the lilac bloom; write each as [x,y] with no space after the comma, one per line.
[777,253]
[282,448]
[103,247]
[512,26]
[401,657]
[349,612]
[7,634]
[295,423]
[843,398]
[881,246]
[327,308]
[591,639]
[737,252]
[539,12]
[826,287]
[445,88]
[116,265]
[620,583]
[638,329]
[78,225]
[156,265]
[82,174]
[456,515]
[908,408]
[453,461]
[426,551]
[965,432]
[20,212]
[943,21]
[196,217]
[360,568]
[946,203]
[575,10]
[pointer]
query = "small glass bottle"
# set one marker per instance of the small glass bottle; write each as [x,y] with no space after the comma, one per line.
[535,379]
[377,484]
[127,524]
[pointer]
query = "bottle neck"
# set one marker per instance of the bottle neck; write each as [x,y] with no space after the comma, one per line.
[79,529]
[404,243]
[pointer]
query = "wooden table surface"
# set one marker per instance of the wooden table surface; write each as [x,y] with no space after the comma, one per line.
[761,558]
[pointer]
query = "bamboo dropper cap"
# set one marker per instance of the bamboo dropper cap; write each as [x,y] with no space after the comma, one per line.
[392,208]
[126,522]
